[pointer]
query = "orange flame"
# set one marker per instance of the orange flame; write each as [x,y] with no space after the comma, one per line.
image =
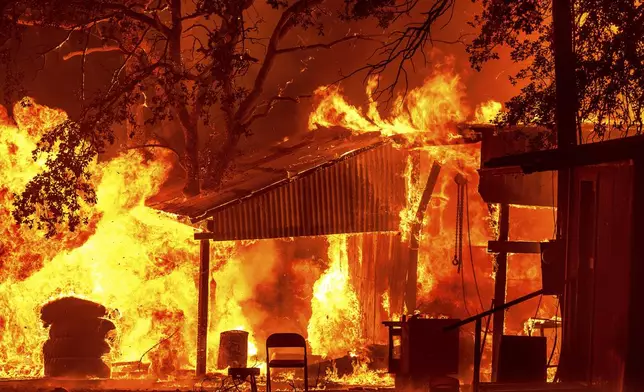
[135,260]
[426,118]
[420,116]
[142,263]
[334,327]
[487,112]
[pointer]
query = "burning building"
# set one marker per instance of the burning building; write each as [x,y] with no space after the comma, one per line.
[312,235]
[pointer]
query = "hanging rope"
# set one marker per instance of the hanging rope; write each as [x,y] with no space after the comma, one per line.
[461,184]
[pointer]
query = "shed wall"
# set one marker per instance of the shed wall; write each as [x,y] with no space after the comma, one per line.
[598,272]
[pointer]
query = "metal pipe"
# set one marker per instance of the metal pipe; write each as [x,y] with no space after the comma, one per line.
[492,311]
[202,315]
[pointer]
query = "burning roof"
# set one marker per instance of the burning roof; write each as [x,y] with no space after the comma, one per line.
[269,168]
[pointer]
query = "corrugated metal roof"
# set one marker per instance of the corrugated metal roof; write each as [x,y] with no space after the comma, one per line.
[361,193]
[257,172]
[323,182]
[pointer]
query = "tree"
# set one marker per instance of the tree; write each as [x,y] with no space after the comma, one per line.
[182,61]
[400,50]
[608,43]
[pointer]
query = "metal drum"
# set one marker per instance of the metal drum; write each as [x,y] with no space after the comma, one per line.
[233,350]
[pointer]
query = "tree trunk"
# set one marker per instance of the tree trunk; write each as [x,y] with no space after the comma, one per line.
[191,157]
[219,166]
[189,118]
[191,161]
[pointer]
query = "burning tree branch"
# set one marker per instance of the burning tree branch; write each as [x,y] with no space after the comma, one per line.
[328,45]
[158,145]
[85,52]
[271,103]
[180,65]
[399,52]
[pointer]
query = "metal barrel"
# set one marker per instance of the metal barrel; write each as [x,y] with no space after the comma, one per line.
[233,350]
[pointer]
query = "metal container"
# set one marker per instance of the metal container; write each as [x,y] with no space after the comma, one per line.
[233,350]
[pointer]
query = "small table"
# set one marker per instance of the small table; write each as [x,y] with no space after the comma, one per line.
[241,374]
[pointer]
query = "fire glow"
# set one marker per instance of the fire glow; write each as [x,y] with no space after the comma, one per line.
[142,263]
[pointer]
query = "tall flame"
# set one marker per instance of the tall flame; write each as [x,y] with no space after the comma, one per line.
[419,116]
[142,263]
[334,327]
[139,262]
[425,120]
[487,112]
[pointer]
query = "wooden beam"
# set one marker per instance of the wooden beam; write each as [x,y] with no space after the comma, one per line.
[500,285]
[412,272]
[204,236]
[202,313]
[565,86]
[566,126]
[522,247]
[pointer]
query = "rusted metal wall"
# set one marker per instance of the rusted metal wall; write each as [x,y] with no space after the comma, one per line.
[378,265]
[598,273]
[363,193]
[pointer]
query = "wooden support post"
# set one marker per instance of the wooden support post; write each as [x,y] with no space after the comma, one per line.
[634,367]
[500,284]
[412,272]
[202,315]
[566,107]
[516,247]
[566,87]
[566,127]
[477,355]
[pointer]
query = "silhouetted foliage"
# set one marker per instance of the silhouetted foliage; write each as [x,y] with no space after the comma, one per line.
[608,42]
[182,61]
[400,49]
[609,45]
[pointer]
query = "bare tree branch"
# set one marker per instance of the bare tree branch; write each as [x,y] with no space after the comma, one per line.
[328,45]
[284,25]
[404,45]
[86,51]
[271,103]
[162,146]
[83,65]
[117,73]
[152,22]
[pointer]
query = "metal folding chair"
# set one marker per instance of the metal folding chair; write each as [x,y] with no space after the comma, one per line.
[286,340]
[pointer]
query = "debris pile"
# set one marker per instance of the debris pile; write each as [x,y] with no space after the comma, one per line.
[77,333]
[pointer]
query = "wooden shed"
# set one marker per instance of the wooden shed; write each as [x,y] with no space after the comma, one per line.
[604,259]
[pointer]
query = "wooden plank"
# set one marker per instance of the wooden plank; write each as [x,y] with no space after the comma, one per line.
[518,247]
[412,274]
[500,286]
[204,236]
[634,369]
[202,314]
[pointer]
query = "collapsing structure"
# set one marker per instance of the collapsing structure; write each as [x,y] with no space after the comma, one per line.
[334,182]
[326,183]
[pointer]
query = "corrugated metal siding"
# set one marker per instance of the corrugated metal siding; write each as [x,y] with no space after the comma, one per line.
[363,193]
